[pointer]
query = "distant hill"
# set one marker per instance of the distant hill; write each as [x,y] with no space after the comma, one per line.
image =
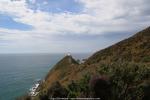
[128,57]
[61,69]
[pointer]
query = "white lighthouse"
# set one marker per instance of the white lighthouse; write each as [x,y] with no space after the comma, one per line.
[68,54]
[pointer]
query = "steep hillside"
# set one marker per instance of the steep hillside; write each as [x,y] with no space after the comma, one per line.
[135,48]
[61,69]
[127,63]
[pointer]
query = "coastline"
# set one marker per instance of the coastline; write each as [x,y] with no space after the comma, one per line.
[33,90]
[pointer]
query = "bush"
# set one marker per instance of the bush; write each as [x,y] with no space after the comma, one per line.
[80,88]
[100,87]
[114,81]
[146,59]
[126,79]
[57,91]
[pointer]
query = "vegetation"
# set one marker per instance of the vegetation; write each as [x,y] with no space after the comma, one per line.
[114,81]
[80,88]
[119,72]
[129,81]
[55,91]
[135,48]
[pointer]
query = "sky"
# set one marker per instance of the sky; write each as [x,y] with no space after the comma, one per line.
[76,26]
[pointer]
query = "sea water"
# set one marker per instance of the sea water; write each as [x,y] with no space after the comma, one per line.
[19,72]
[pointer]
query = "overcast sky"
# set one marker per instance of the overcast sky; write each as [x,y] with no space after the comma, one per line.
[56,26]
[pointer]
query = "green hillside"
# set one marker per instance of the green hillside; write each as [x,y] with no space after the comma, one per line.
[135,48]
[119,72]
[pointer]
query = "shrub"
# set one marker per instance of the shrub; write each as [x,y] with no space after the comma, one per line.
[126,79]
[100,87]
[80,88]
[73,89]
[146,59]
[57,91]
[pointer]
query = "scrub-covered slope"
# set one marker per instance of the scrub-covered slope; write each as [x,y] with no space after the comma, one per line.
[120,72]
[135,48]
[63,68]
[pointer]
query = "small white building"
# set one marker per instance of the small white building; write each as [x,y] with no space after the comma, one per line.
[68,54]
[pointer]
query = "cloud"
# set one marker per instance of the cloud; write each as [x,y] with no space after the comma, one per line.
[97,17]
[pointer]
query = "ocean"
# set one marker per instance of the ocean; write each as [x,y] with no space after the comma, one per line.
[19,72]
